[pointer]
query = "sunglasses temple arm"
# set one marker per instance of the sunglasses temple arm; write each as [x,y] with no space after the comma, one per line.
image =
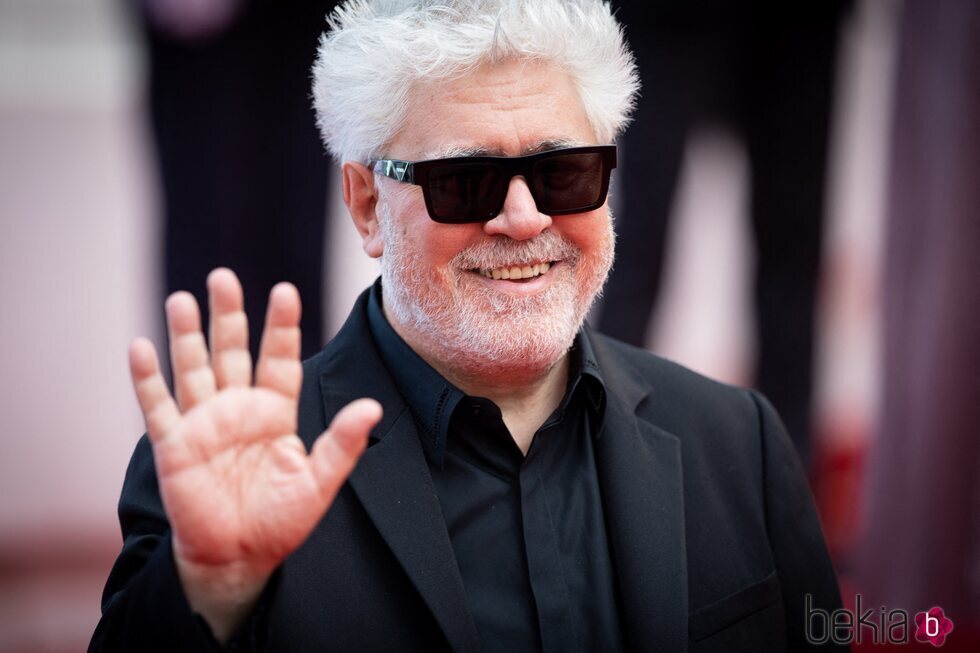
[403,171]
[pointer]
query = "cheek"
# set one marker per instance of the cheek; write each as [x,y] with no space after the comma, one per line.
[591,232]
[442,242]
[422,241]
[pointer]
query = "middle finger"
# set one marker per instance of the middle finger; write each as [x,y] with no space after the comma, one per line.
[230,358]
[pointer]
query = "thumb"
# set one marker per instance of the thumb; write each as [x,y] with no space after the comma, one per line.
[337,449]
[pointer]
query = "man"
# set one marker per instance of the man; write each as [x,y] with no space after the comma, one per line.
[526,484]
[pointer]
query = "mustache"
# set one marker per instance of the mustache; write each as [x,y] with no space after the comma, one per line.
[502,250]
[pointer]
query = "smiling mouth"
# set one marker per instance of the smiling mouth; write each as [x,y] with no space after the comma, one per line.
[516,272]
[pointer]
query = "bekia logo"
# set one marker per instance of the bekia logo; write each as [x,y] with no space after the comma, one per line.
[881,626]
[932,626]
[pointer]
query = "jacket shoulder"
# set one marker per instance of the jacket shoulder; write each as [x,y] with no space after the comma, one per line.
[721,428]
[672,394]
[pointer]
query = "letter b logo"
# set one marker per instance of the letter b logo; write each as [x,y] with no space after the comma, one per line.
[932,626]
[817,623]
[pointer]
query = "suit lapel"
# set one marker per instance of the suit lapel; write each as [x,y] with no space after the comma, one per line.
[640,477]
[392,479]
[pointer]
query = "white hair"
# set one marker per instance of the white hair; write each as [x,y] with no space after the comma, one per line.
[375,50]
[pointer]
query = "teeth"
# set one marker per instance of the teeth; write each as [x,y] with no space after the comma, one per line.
[516,272]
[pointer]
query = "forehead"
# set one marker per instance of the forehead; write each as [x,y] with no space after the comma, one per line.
[507,108]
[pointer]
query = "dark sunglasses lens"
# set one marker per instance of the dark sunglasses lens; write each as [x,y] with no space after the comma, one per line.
[566,182]
[464,192]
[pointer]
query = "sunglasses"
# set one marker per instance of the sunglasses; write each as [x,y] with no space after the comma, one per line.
[473,188]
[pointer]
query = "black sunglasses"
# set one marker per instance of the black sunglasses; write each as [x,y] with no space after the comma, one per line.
[473,188]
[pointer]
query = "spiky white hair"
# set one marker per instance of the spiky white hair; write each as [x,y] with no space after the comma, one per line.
[375,50]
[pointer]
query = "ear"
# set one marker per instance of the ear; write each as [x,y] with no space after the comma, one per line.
[361,198]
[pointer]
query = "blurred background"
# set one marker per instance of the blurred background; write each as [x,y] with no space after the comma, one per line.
[812,180]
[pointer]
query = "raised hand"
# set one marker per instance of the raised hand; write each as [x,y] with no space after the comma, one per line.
[238,487]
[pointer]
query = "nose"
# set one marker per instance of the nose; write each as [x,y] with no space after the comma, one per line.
[520,218]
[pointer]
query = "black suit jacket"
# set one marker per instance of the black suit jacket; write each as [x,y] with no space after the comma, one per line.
[712,529]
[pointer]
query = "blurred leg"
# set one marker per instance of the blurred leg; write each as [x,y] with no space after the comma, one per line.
[650,158]
[787,125]
[923,503]
[244,174]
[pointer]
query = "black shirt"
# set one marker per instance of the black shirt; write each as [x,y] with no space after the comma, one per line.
[528,532]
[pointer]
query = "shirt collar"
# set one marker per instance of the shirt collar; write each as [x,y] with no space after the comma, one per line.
[583,356]
[430,396]
[433,399]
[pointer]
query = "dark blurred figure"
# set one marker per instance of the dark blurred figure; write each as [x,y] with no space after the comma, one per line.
[922,543]
[242,166]
[765,71]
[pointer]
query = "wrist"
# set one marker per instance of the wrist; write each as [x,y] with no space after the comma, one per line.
[224,595]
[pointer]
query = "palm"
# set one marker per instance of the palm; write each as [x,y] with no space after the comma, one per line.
[247,487]
[236,481]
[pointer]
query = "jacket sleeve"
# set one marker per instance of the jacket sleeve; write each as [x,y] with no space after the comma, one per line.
[143,606]
[799,550]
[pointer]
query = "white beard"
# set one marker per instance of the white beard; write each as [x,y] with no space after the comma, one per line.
[477,331]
